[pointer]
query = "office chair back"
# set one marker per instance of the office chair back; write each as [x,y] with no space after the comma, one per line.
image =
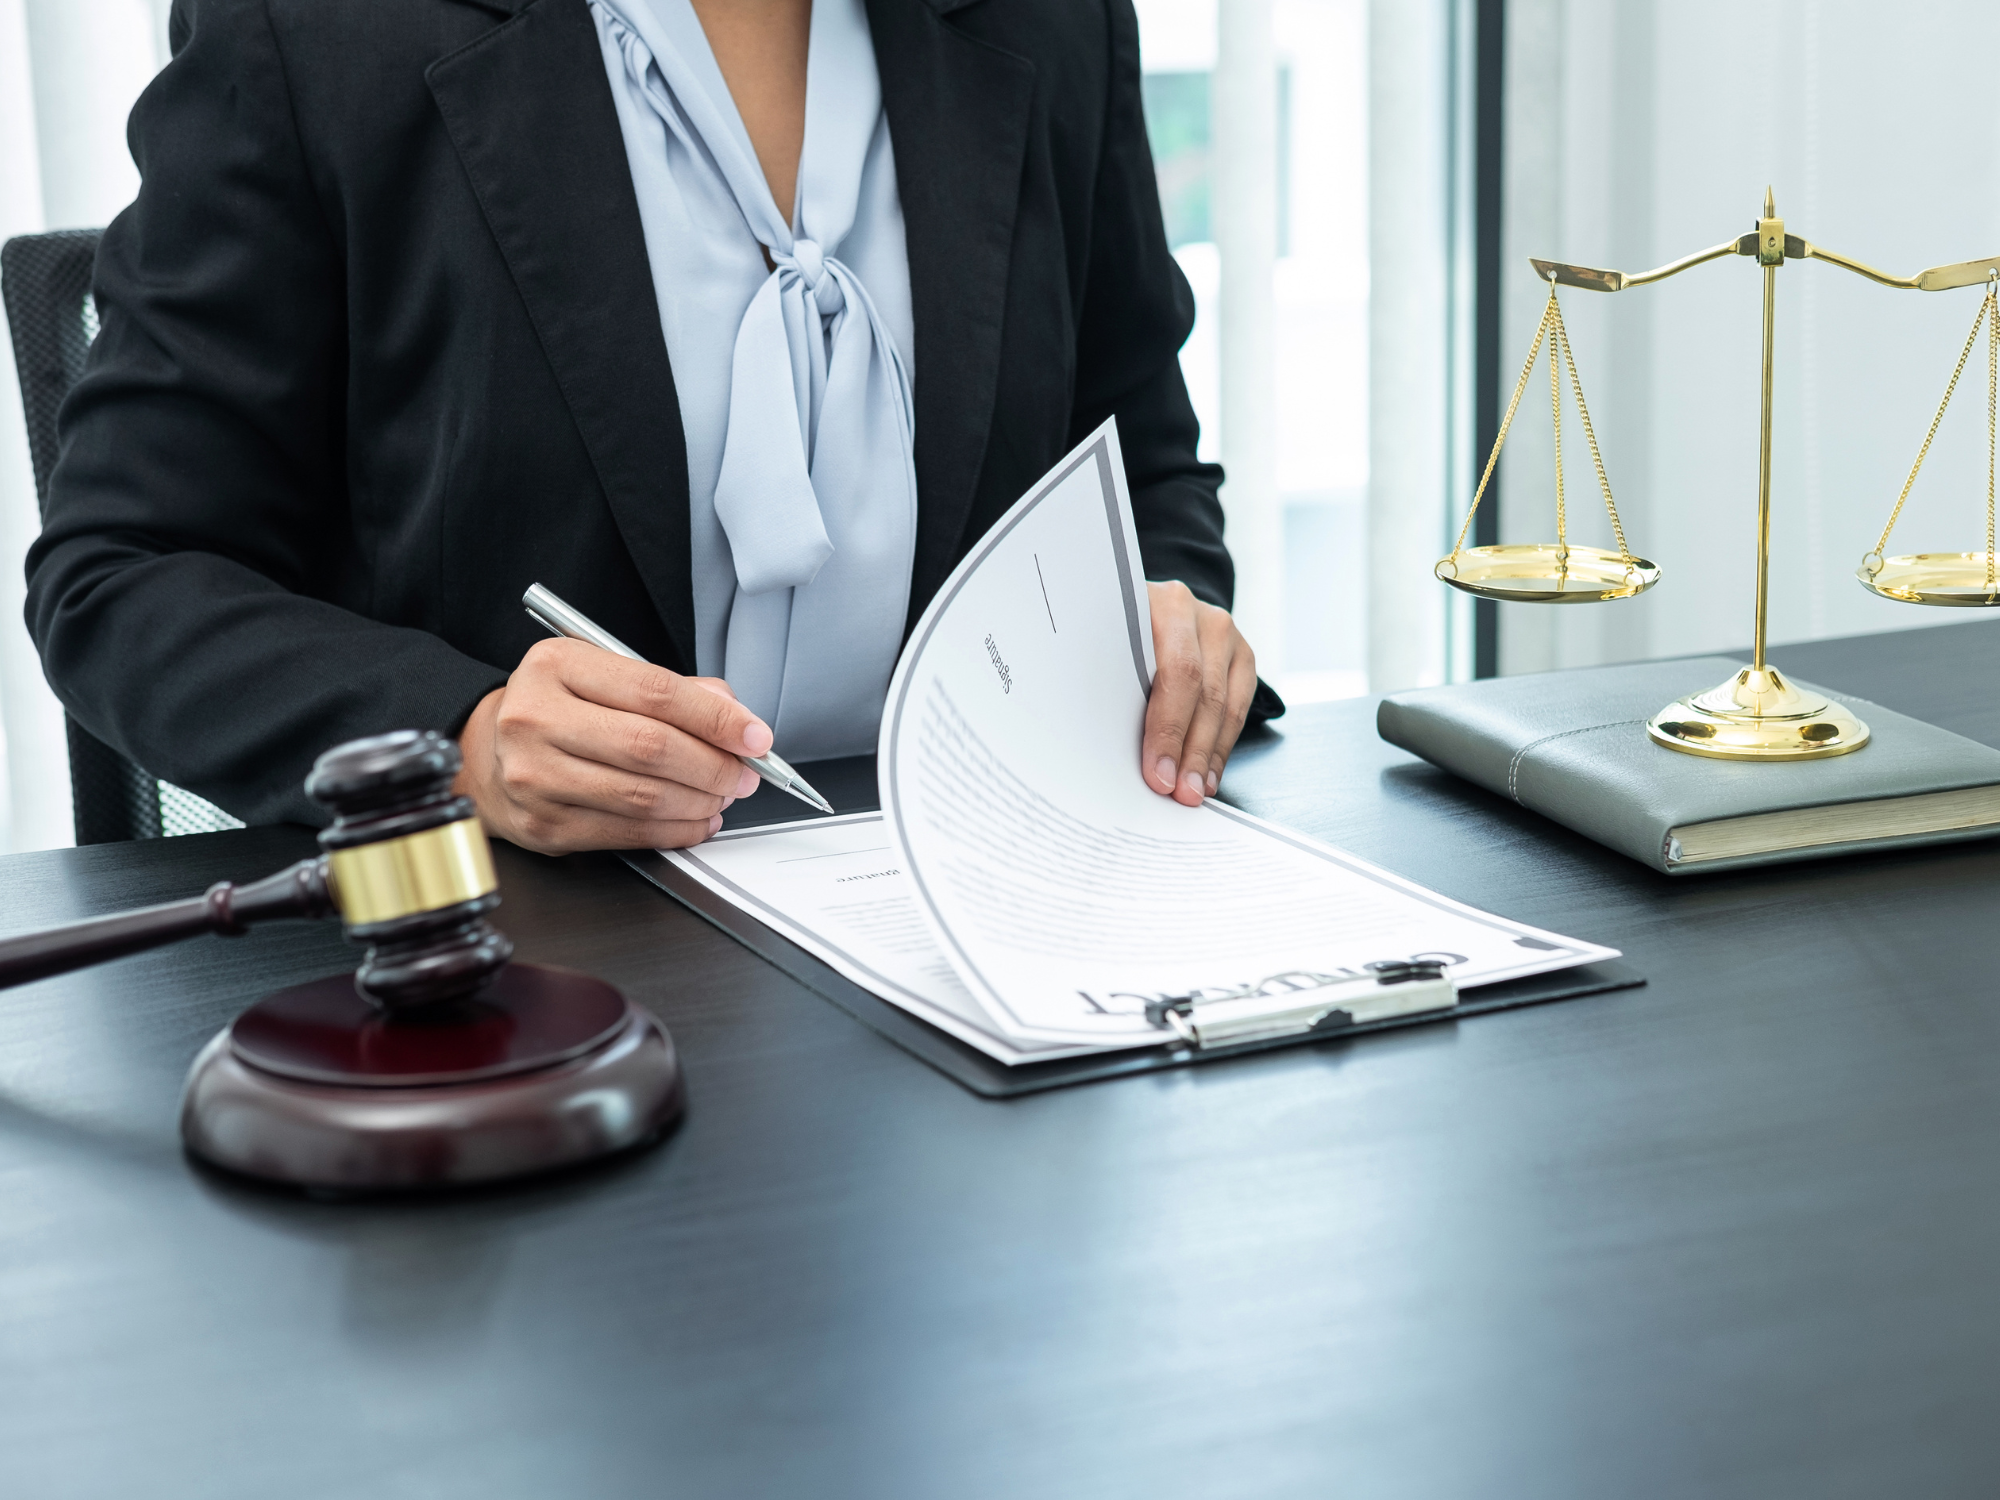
[45,283]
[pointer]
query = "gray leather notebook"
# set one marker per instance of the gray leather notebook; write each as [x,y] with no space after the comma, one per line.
[1573,747]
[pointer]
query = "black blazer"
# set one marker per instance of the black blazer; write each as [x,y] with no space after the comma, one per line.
[380,348]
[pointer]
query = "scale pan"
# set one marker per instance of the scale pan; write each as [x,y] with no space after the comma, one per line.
[1536,573]
[1932,578]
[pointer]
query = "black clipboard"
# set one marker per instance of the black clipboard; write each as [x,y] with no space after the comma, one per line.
[992,1079]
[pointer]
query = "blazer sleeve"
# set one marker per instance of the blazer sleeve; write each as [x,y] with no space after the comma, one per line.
[1135,314]
[199,500]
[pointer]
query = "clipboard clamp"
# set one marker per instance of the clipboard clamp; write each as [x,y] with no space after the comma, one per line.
[1301,1003]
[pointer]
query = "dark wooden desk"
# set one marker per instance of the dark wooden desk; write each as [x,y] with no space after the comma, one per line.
[1736,1233]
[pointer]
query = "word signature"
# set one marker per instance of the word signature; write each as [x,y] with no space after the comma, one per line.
[1006,677]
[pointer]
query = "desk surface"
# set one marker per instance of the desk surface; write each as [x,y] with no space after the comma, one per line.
[1731,1234]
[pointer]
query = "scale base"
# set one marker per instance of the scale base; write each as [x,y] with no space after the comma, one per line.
[1757,715]
[316,1087]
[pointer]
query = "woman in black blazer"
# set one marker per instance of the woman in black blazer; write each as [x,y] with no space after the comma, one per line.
[380,347]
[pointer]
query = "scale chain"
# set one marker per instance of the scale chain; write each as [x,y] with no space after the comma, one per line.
[1989,312]
[1553,329]
[1556,408]
[1499,442]
[1589,433]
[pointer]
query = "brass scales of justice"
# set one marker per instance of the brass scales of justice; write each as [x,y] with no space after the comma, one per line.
[1757,714]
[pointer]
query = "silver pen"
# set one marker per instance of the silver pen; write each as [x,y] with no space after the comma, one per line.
[565,619]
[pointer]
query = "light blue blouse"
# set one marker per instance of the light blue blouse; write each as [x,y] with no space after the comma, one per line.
[794,383]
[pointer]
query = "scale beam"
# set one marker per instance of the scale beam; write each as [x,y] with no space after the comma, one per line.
[1592,279]
[1935,279]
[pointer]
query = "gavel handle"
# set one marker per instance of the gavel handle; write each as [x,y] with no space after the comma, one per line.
[300,891]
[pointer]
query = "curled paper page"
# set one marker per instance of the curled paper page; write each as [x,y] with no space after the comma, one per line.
[1064,891]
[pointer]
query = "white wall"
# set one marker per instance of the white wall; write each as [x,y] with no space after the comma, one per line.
[1639,131]
[90,58]
[34,758]
[69,72]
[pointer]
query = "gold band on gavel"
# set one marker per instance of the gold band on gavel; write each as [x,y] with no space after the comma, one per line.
[418,872]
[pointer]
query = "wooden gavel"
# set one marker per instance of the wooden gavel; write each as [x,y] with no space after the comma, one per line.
[406,867]
[438,1062]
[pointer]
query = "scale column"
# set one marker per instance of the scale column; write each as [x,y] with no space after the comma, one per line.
[1757,714]
[1770,255]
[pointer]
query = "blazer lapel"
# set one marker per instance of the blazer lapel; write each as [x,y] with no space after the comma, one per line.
[958,113]
[530,111]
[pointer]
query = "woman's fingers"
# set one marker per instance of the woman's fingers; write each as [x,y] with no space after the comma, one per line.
[1205,674]
[635,687]
[1242,688]
[632,717]
[1177,679]
[638,746]
[1205,728]
[583,749]
[545,772]
[1220,711]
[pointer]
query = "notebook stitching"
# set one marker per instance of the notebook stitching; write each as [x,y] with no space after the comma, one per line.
[1514,766]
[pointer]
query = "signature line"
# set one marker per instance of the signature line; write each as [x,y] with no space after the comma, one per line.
[1045,593]
[799,859]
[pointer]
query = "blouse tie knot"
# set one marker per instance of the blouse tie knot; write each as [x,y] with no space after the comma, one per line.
[824,288]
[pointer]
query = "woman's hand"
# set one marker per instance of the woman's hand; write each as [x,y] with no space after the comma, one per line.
[586,750]
[1205,676]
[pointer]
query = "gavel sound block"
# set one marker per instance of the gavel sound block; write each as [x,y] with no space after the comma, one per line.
[438,1062]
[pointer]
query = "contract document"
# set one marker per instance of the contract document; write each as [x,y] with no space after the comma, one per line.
[1023,888]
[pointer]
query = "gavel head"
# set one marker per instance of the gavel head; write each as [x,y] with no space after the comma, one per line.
[410,869]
